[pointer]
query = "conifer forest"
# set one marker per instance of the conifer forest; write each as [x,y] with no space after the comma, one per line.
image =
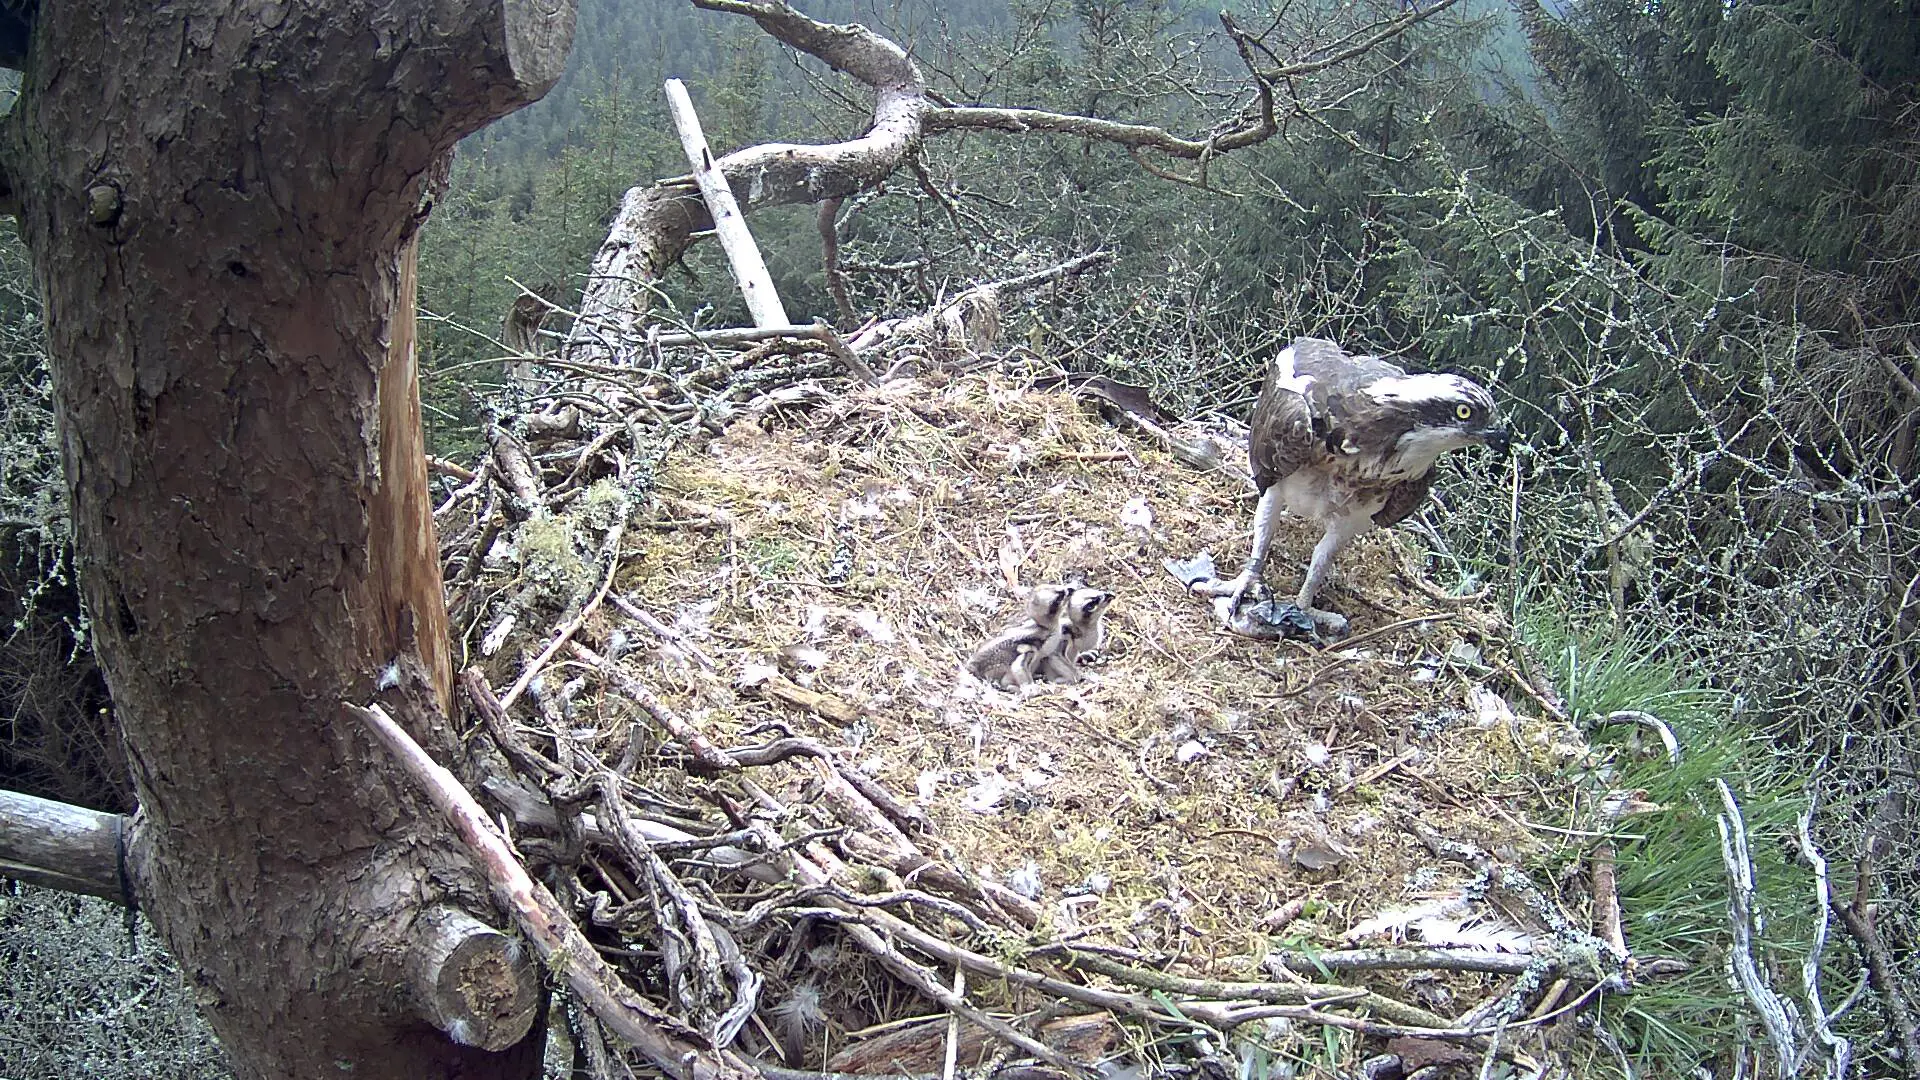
[825,673]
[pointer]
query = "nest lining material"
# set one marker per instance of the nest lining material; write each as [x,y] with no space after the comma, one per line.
[1196,783]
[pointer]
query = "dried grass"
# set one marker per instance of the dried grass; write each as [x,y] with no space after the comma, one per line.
[1156,802]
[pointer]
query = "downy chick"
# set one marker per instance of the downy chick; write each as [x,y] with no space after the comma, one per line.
[1083,632]
[1011,658]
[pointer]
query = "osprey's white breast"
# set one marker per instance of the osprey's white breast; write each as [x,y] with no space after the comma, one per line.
[1327,492]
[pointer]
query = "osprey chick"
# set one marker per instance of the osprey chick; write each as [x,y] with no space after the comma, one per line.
[1349,442]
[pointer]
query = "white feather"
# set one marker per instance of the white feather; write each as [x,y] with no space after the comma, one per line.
[1286,377]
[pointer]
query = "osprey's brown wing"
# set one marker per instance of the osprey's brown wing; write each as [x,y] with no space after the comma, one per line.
[1303,406]
[1403,499]
[1280,437]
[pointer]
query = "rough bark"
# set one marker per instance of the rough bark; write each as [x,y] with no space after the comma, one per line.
[218,195]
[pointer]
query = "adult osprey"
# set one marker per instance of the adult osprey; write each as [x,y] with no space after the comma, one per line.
[1350,442]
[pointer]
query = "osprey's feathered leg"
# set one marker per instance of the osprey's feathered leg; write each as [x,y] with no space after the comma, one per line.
[1265,517]
[1340,532]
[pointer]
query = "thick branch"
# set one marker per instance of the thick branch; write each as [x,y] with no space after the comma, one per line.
[655,225]
[472,981]
[61,846]
[1137,136]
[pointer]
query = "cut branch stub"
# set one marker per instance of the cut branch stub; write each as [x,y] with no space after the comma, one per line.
[60,846]
[472,981]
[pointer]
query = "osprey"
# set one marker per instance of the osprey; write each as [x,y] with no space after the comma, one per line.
[1349,442]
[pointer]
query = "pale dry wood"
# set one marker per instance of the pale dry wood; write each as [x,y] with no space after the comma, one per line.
[743,255]
[60,846]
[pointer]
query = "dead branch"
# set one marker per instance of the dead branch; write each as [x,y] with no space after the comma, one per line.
[1777,1015]
[1858,918]
[669,1044]
[673,723]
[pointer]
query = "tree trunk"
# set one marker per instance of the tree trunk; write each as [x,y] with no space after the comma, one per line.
[221,197]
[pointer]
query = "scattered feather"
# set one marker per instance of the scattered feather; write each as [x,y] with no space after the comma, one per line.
[1313,849]
[755,674]
[984,797]
[871,624]
[978,598]
[1189,751]
[866,507]
[1026,881]
[497,636]
[805,656]
[1137,515]
[1489,709]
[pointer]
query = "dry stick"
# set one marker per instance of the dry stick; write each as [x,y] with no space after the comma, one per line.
[953,1027]
[661,630]
[699,983]
[500,726]
[923,981]
[572,625]
[1839,1050]
[516,472]
[1858,918]
[473,487]
[1308,963]
[1606,901]
[672,1046]
[872,800]
[1007,907]
[818,866]
[686,734]
[1772,1009]
[1145,1008]
[749,269]
[447,468]
[1269,993]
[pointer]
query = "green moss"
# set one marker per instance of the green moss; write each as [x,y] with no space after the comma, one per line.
[548,558]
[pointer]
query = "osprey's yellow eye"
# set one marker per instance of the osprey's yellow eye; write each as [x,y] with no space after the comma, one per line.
[1464,412]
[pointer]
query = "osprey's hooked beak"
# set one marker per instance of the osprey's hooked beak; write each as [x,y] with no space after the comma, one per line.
[1498,440]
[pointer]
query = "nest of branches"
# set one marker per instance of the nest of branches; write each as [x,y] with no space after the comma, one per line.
[714,630]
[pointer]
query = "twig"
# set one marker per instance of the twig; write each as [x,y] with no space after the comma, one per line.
[1606,900]
[953,1026]
[1839,1052]
[905,816]
[1659,726]
[501,728]
[668,634]
[1777,1015]
[572,625]
[688,736]
[1858,918]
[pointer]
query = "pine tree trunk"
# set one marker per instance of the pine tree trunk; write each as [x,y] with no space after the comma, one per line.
[221,197]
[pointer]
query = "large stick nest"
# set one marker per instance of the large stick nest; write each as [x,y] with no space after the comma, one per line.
[738,741]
